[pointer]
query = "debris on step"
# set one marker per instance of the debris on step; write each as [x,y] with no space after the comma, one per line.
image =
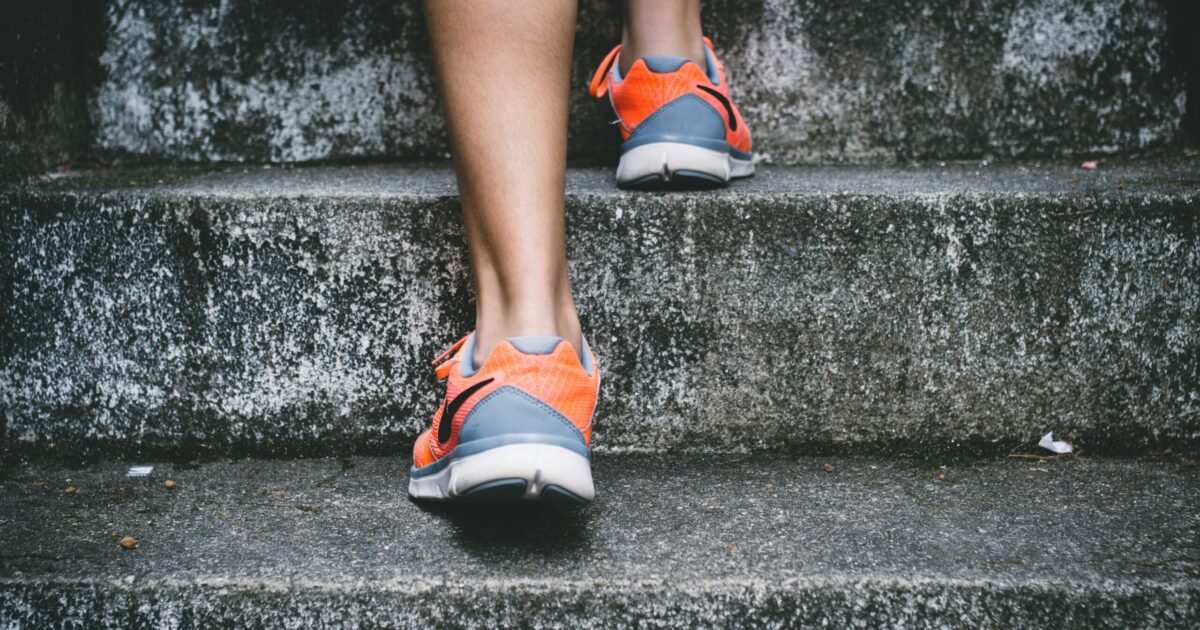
[1056,446]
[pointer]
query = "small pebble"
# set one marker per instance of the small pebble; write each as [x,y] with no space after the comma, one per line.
[169,484]
[828,468]
[128,542]
[69,490]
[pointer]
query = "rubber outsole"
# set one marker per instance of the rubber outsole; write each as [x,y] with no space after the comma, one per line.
[678,180]
[512,490]
[523,471]
[679,166]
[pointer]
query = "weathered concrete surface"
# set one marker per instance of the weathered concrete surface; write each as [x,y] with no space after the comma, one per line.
[49,60]
[818,80]
[931,309]
[680,542]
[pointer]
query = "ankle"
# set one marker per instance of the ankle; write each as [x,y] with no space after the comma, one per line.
[492,328]
[668,29]
[633,49]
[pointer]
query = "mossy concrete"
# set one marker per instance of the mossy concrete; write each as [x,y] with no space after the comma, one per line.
[933,308]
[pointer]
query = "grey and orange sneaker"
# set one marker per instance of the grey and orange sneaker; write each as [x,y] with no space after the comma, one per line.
[517,427]
[680,128]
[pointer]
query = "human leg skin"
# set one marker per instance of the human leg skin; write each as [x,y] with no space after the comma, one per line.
[515,421]
[661,27]
[504,70]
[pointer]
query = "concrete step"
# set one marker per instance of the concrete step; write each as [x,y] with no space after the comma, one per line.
[709,541]
[933,308]
[818,80]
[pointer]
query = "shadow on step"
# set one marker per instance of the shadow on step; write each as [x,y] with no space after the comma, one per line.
[508,529]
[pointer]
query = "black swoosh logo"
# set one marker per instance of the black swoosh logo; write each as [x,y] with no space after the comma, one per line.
[447,419]
[724,101]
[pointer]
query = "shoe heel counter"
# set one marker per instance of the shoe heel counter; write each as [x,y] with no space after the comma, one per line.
[510,414]
[688,119]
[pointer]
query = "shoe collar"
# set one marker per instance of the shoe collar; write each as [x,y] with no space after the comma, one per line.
[527,344]
[610,69]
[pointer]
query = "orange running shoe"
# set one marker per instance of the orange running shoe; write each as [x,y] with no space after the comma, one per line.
[517,427]
[680,128]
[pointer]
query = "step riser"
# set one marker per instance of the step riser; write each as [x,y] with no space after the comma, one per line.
[722,322]
[817,80]
[908,603]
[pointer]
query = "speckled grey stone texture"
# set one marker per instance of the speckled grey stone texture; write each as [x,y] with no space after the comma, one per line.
[930,308]
[818,80]
[710,541]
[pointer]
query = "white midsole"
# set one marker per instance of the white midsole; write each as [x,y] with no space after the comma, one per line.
[665,158]
[540,465]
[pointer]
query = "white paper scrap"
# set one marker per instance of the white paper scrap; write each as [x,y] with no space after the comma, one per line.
[140,471]
[1050,444]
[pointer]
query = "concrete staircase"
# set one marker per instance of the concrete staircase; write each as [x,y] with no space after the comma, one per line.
[818,80]
[823,385]
[672,541]
[270,310]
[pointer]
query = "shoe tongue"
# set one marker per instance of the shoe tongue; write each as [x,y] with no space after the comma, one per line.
[663,64]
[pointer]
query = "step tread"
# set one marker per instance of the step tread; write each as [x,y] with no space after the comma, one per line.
[678,540]
[1177,175]
[892,531]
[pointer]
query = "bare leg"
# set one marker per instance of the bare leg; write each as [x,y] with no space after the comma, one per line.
[661,27]
[505,72]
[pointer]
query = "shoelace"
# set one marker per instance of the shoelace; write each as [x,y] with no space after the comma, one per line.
[442,363]
[599,85]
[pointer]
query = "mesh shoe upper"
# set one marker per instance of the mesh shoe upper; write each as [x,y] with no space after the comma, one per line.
[643,91]
[554,378]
